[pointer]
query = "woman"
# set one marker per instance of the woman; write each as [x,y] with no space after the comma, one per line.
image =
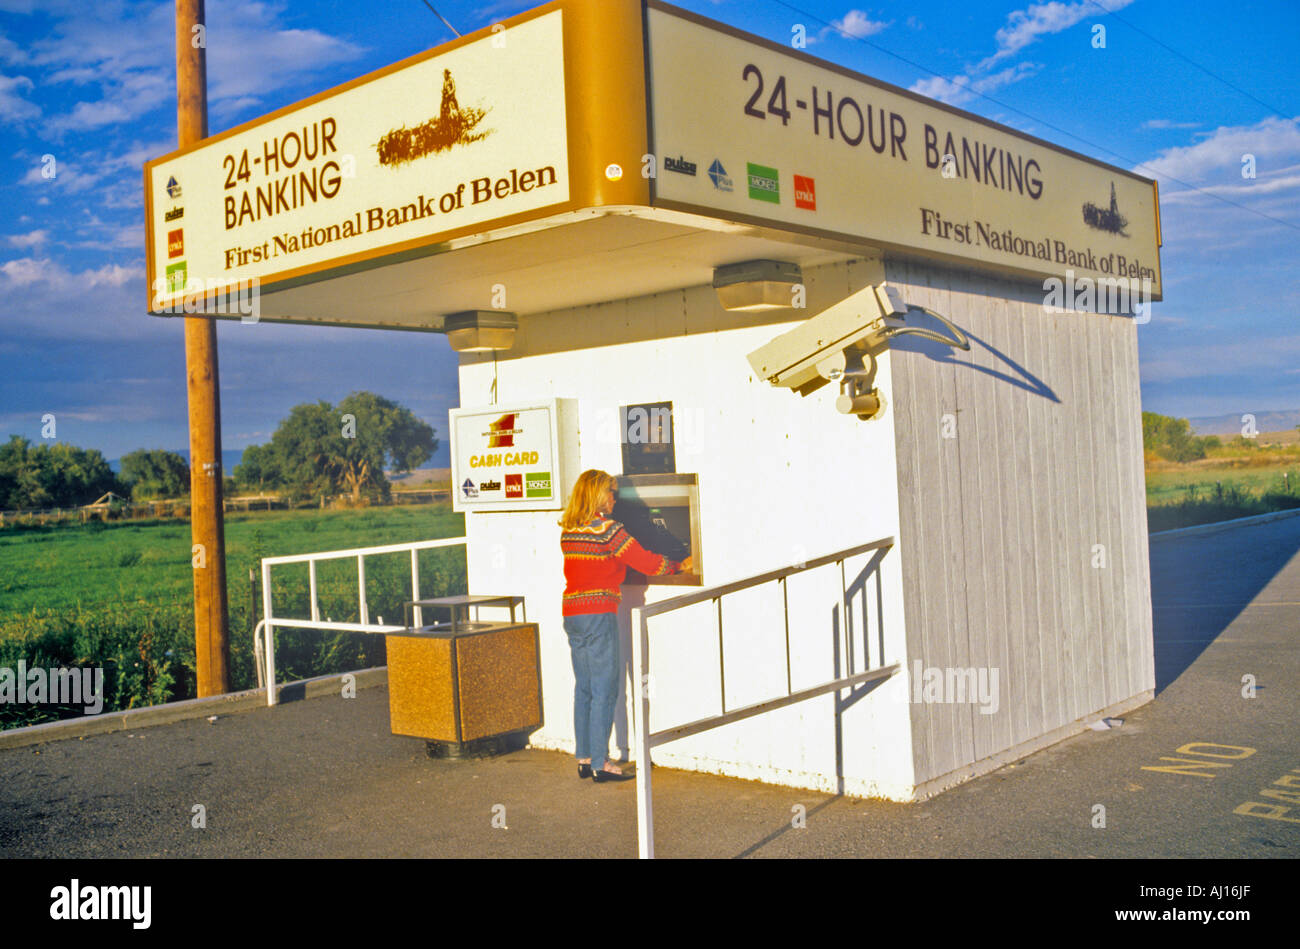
[597,553]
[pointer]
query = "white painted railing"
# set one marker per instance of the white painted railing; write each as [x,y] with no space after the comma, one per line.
[644,739]
[268,623]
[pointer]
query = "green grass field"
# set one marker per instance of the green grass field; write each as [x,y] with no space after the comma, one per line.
[123,562]
[121,595]
[1167,487]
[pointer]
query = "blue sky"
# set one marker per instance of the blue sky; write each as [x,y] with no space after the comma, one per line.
[1180,92]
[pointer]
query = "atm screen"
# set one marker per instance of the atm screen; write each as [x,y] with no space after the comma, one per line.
[662,530]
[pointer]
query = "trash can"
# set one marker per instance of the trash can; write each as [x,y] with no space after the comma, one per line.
[464,686]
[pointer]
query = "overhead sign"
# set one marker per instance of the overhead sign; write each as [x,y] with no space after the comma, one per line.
[506,458]
[445,143]
[810,146]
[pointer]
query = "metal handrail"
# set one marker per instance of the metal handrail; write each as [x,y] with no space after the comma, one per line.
[644,739]
[269,622]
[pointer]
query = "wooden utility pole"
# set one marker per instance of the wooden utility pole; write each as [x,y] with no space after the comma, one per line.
[207,526]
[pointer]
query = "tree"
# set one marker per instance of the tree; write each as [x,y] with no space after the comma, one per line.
[1171,438]
[258,469]
[59,475]
[323,449]
[155,474]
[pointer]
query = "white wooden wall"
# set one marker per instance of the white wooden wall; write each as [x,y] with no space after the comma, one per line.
[999,524]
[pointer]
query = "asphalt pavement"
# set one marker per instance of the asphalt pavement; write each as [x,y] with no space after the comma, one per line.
[1195,773]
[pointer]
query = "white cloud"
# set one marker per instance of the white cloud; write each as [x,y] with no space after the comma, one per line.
[13,107]
[112,54]
[1274,142]
[1169,124]
[855,23]
[1024,27]
[961,89]
[30,271]
[30,239]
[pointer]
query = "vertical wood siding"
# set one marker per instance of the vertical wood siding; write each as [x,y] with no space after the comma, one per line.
[1022,539]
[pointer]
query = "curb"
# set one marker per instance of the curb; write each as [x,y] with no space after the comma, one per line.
[1224,525]
[225,704]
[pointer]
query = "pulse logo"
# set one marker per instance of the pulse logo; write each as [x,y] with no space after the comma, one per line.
[718,175]
[805,193]
[680,165]
[173,187]
[176,243]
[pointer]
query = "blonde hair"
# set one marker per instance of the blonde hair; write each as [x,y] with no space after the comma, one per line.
[587,495]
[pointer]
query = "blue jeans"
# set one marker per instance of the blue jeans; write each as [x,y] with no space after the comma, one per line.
[593,641]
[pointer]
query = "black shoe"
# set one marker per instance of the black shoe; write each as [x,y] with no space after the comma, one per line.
[600,776]
[584,770]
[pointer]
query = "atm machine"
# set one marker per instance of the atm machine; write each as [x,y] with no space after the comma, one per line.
[658,506]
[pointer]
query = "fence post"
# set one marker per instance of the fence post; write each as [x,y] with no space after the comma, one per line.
[645,833]
[269,632]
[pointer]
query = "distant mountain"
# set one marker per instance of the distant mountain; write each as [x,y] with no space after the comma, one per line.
[1231,424]
[229,458]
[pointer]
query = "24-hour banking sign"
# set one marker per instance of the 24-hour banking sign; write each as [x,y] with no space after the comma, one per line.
[555,118]
[751,130]
[445,143]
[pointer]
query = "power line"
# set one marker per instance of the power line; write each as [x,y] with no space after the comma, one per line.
[1188,59]
[1033,118]
[442,18]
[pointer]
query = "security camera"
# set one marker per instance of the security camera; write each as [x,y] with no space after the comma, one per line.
[816,348]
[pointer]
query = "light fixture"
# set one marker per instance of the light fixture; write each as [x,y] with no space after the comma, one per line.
[480,331]
[757,285]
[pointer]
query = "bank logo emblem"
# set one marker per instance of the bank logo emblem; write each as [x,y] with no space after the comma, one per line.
[469,489]
[175,214]
[1106,219]
[514,486]
[176,278]
[537,484]
[173,187]
[452,126]
[718,175]
[805,193]
[680,165]
[764,183]
[502,432]
[176,243]
[489,485]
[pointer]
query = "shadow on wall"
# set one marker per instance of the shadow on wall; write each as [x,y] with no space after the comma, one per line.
[1015,374]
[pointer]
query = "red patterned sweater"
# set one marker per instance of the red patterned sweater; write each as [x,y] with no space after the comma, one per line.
[596,558]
